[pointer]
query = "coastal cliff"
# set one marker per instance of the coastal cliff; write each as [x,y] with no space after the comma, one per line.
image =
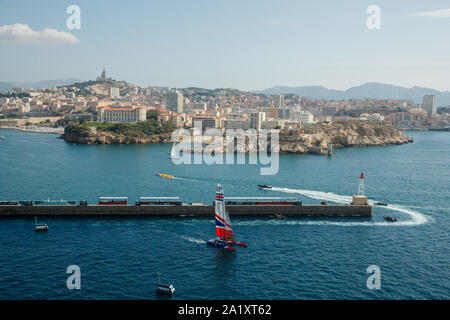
[316,139]
[313,139]
[115,134]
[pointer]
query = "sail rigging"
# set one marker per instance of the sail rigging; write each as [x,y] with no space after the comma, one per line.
[223,224]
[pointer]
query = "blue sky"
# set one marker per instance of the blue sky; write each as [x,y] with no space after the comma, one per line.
[243,44]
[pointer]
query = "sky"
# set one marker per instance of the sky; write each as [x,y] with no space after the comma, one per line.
[244,44]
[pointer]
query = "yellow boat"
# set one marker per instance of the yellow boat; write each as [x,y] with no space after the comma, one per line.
[168,176]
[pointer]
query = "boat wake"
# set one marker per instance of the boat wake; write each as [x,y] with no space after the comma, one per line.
[415,218]
[186,179]
[190,239]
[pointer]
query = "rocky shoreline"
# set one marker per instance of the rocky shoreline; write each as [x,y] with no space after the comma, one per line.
[90,135]
[314,139]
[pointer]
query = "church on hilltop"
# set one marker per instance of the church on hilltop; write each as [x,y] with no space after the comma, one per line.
[103,76]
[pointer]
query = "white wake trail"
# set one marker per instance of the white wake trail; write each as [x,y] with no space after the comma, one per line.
[416,218]
[190,239]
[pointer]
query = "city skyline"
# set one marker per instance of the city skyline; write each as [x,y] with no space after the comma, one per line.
[250,46]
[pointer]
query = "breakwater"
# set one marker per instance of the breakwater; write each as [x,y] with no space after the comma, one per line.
[187,210]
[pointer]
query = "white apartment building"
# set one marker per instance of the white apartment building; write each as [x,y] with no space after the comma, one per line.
[257,119]
[174,101]
[114,93]
[236,124]
[303,116]
[430,105]
[281,101]
[122,114]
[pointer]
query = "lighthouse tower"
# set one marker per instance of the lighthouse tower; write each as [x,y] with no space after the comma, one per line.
[360,199]
[361,185]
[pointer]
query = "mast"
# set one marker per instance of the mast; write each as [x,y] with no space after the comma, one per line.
[223,223]
[159,277]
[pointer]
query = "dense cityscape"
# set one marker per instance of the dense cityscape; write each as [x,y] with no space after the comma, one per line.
[107,100]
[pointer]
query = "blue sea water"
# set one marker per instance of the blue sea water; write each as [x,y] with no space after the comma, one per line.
[295,258]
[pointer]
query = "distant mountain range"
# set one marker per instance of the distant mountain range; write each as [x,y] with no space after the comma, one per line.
[367,90]
[28,85]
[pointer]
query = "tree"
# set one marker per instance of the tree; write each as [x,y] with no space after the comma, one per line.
[152,114]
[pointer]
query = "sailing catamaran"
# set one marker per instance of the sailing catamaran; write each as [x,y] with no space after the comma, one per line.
[224,232]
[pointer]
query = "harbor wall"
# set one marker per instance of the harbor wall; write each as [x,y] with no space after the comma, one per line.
[187,210]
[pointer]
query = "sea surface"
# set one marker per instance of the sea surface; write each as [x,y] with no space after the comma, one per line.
[294,258]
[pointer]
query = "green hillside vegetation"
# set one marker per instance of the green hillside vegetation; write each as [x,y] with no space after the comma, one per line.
[145,128]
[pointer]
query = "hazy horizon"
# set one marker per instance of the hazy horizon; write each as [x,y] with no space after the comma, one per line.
[235,88]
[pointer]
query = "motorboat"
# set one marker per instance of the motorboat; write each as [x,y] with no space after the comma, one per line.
[390,219]
[264,186]
[168,176]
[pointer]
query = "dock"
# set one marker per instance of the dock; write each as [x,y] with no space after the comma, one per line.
[185,210]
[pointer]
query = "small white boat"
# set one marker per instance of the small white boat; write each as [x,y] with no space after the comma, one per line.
[40,227]
[2,137]
[164,288]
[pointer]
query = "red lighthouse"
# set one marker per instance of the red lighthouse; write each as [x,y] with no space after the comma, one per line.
[361,185]
[360,199]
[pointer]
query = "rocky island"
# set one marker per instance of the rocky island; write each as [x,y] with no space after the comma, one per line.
[316,138]
[313,139]
[150,131]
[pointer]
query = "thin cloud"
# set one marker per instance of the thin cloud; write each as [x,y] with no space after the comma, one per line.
[436,14]
[23,34]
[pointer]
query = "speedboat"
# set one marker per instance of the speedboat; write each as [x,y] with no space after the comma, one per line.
[224,232]
[381,204]
[390,219]
[264,186]
[168,176]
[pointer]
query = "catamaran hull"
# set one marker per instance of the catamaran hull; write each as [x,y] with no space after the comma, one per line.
[220,244]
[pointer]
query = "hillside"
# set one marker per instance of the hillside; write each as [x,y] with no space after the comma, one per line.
[150,131]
